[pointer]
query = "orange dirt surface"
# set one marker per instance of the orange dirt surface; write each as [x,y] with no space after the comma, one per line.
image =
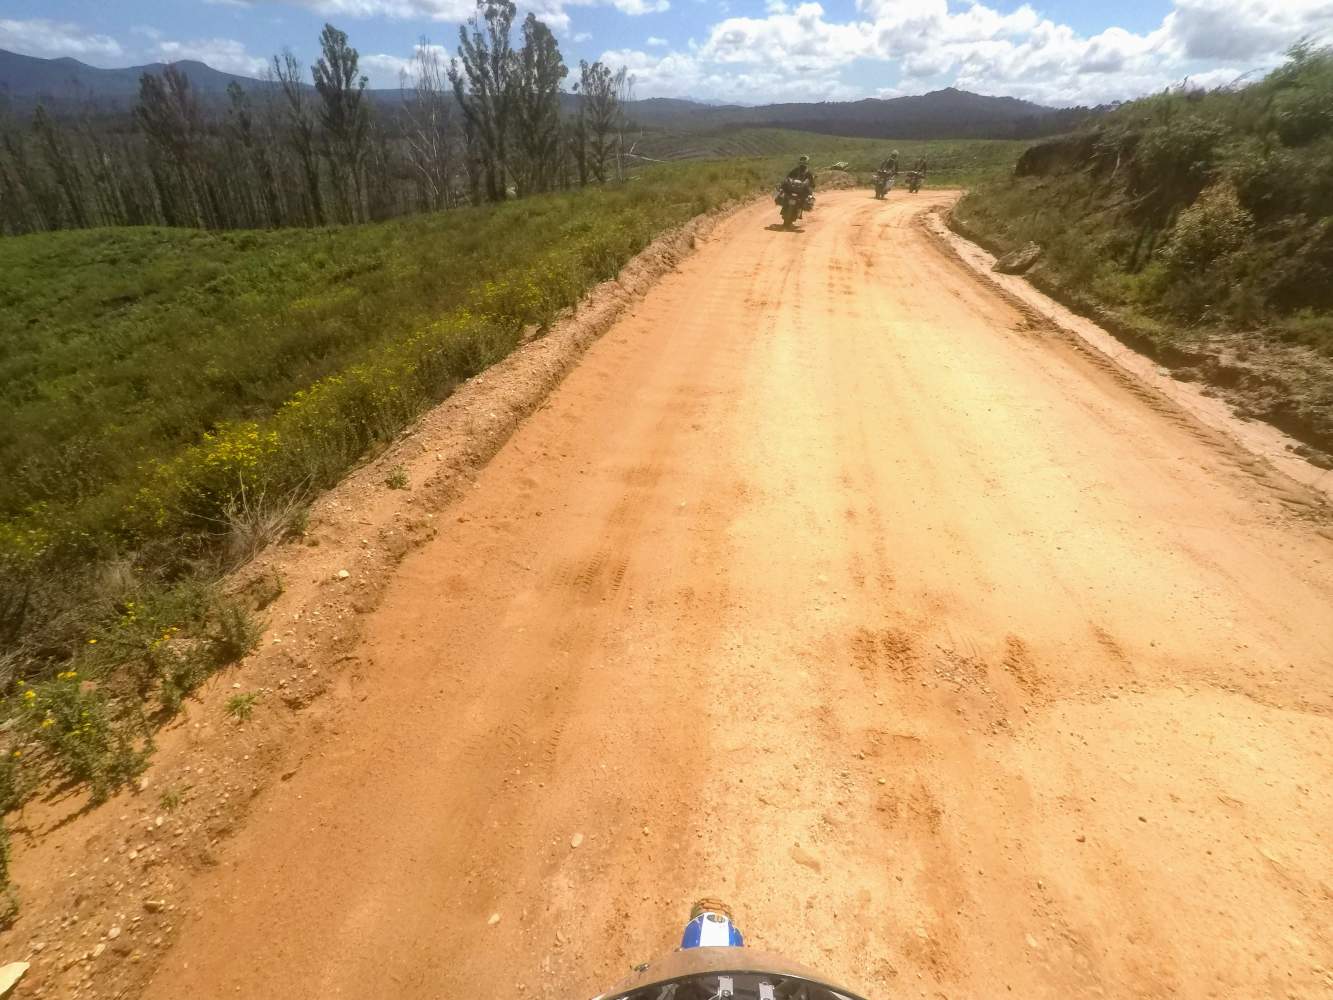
[831,584]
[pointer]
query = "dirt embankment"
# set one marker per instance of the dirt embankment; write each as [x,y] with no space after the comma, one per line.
[1204,403]
[1285,385]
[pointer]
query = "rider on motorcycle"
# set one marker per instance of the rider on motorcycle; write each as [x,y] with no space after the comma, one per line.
[802,172]
[890,164]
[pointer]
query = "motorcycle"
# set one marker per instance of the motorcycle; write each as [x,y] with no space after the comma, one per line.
[883,183]
[914,180]
[794,198]
[713,962]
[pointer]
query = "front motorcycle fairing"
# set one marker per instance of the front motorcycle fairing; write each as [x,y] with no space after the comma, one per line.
[741,973]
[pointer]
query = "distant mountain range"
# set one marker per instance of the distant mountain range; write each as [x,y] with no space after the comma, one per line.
[66,83]
[28,79]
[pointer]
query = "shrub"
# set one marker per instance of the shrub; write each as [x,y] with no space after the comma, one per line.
[238,632]
[1179,157]
[1215,226]
[1302,118]
[1268,182]
[242,706]
[252,521]
[73,721]
[1220,211]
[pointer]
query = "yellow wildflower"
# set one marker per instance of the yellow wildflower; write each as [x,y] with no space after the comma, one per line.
[29,695]
[48,722]
[92,642]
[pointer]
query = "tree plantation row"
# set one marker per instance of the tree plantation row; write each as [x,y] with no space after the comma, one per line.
[489,125]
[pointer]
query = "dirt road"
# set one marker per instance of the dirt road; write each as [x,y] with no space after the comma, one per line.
[827,585]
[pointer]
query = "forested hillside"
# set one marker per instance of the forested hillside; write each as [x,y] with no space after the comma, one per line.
[1199,226]
[314,149]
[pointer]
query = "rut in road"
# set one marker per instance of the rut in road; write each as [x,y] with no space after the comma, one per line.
[827,586]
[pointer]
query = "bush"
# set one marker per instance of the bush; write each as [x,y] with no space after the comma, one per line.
[1178,157]
[238,632]
[1303,118]
[1269,182]
[1214,227]
[74,722]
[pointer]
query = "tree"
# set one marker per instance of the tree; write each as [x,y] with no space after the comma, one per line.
[256,188]
[170,118]
[599,113]
[300,128]
[537,106]
[345,116]
[429,126]
[62,164]
[483,85]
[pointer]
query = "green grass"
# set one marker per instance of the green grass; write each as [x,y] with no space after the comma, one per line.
[164,334]
[951,162]
[241,707]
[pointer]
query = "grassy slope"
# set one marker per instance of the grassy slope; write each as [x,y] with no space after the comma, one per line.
[165,333]
[1200,228]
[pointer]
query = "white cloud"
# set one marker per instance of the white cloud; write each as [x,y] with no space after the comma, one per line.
[635,7]
[798,50]
[684,73]
[386,71]
[553,12]
[41,37]
[225,54]
[801,40]
[432,10]
[1244,29]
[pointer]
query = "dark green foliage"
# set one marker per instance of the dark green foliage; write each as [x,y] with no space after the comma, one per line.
[1176,158]
[1201,208]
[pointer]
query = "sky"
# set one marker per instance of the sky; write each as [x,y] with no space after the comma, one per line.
[1057,52]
